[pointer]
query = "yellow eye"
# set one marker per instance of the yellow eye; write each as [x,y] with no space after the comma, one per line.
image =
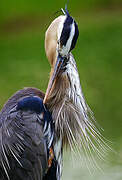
[59,43]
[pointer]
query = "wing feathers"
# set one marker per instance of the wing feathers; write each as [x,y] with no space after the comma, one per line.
[26,134]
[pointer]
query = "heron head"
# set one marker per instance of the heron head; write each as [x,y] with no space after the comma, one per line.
[60,39]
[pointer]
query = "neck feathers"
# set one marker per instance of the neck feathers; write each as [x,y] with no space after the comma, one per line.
[74,121]
[66,101]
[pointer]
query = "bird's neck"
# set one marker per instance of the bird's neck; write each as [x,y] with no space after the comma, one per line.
[67,86]
[66,98]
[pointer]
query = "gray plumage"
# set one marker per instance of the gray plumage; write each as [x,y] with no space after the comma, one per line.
[23,140]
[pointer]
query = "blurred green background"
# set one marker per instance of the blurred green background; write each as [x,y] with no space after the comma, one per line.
[98,55]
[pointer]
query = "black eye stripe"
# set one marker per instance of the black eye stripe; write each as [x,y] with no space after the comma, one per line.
[66,30]
[65,35]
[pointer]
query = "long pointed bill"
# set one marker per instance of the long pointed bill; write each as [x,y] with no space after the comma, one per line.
[57,69]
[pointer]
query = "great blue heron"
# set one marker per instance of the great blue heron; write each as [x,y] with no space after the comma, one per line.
[34,127]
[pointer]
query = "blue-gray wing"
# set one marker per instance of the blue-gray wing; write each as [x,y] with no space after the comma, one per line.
[26,135]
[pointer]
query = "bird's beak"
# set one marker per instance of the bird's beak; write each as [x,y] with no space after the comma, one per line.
[57,69]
